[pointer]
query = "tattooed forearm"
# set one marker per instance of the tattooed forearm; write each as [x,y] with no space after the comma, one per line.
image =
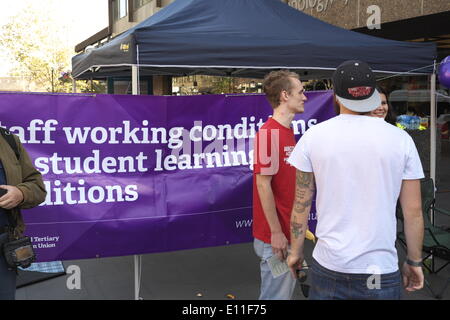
[304,191]
[296,229]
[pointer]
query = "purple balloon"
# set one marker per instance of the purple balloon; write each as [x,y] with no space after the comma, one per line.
[444,72]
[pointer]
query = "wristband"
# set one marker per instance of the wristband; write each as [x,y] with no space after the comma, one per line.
[414,263]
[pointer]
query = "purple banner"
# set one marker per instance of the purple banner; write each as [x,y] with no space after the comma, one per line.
[140,174]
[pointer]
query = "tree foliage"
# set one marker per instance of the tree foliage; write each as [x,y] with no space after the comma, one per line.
[38,49]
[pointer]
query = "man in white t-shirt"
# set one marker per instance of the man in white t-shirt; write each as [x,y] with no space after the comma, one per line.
[359,165]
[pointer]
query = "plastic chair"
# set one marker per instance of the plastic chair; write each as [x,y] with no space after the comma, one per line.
[436,241]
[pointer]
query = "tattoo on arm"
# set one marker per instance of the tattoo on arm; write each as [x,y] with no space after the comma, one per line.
[304,191]
[296,229]
[303,179]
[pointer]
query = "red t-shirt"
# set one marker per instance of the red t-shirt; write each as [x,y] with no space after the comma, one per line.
[272,146]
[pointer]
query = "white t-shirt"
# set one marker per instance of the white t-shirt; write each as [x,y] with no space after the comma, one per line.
[359,163]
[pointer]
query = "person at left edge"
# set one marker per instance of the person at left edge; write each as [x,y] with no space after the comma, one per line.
[25,189]
[274,180]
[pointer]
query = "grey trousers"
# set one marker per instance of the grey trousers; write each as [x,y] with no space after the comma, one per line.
[7,277]
[280,288]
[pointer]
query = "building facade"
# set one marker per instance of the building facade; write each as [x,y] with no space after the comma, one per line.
[352,14]
[405,20]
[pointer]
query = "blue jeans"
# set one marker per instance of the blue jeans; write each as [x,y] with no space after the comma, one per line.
[331,285]
[280,288]
[7,277]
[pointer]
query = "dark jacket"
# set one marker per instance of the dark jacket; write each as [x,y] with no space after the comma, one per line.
[22,174]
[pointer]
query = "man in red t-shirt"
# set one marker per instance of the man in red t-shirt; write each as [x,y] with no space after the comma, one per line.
[274,181]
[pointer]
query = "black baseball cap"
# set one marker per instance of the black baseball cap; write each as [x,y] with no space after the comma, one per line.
[355,86]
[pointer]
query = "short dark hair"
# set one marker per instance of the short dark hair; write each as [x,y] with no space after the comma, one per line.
[277,81]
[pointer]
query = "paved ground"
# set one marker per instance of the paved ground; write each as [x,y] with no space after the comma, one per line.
[213,272]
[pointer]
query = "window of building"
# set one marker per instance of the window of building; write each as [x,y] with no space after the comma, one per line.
[140,3]
[120,9]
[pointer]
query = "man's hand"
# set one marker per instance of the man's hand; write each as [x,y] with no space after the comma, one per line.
[412,277]
[279,245]
[12,198]
[295,263]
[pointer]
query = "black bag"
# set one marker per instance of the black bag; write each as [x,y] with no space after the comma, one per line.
[19,253]
[17,250]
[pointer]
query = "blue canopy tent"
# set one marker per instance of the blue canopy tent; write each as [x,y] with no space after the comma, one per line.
[244,38]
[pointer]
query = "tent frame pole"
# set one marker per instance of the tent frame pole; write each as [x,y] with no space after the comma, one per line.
[134,79]
[433,115]
[137,276]
[137,258]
